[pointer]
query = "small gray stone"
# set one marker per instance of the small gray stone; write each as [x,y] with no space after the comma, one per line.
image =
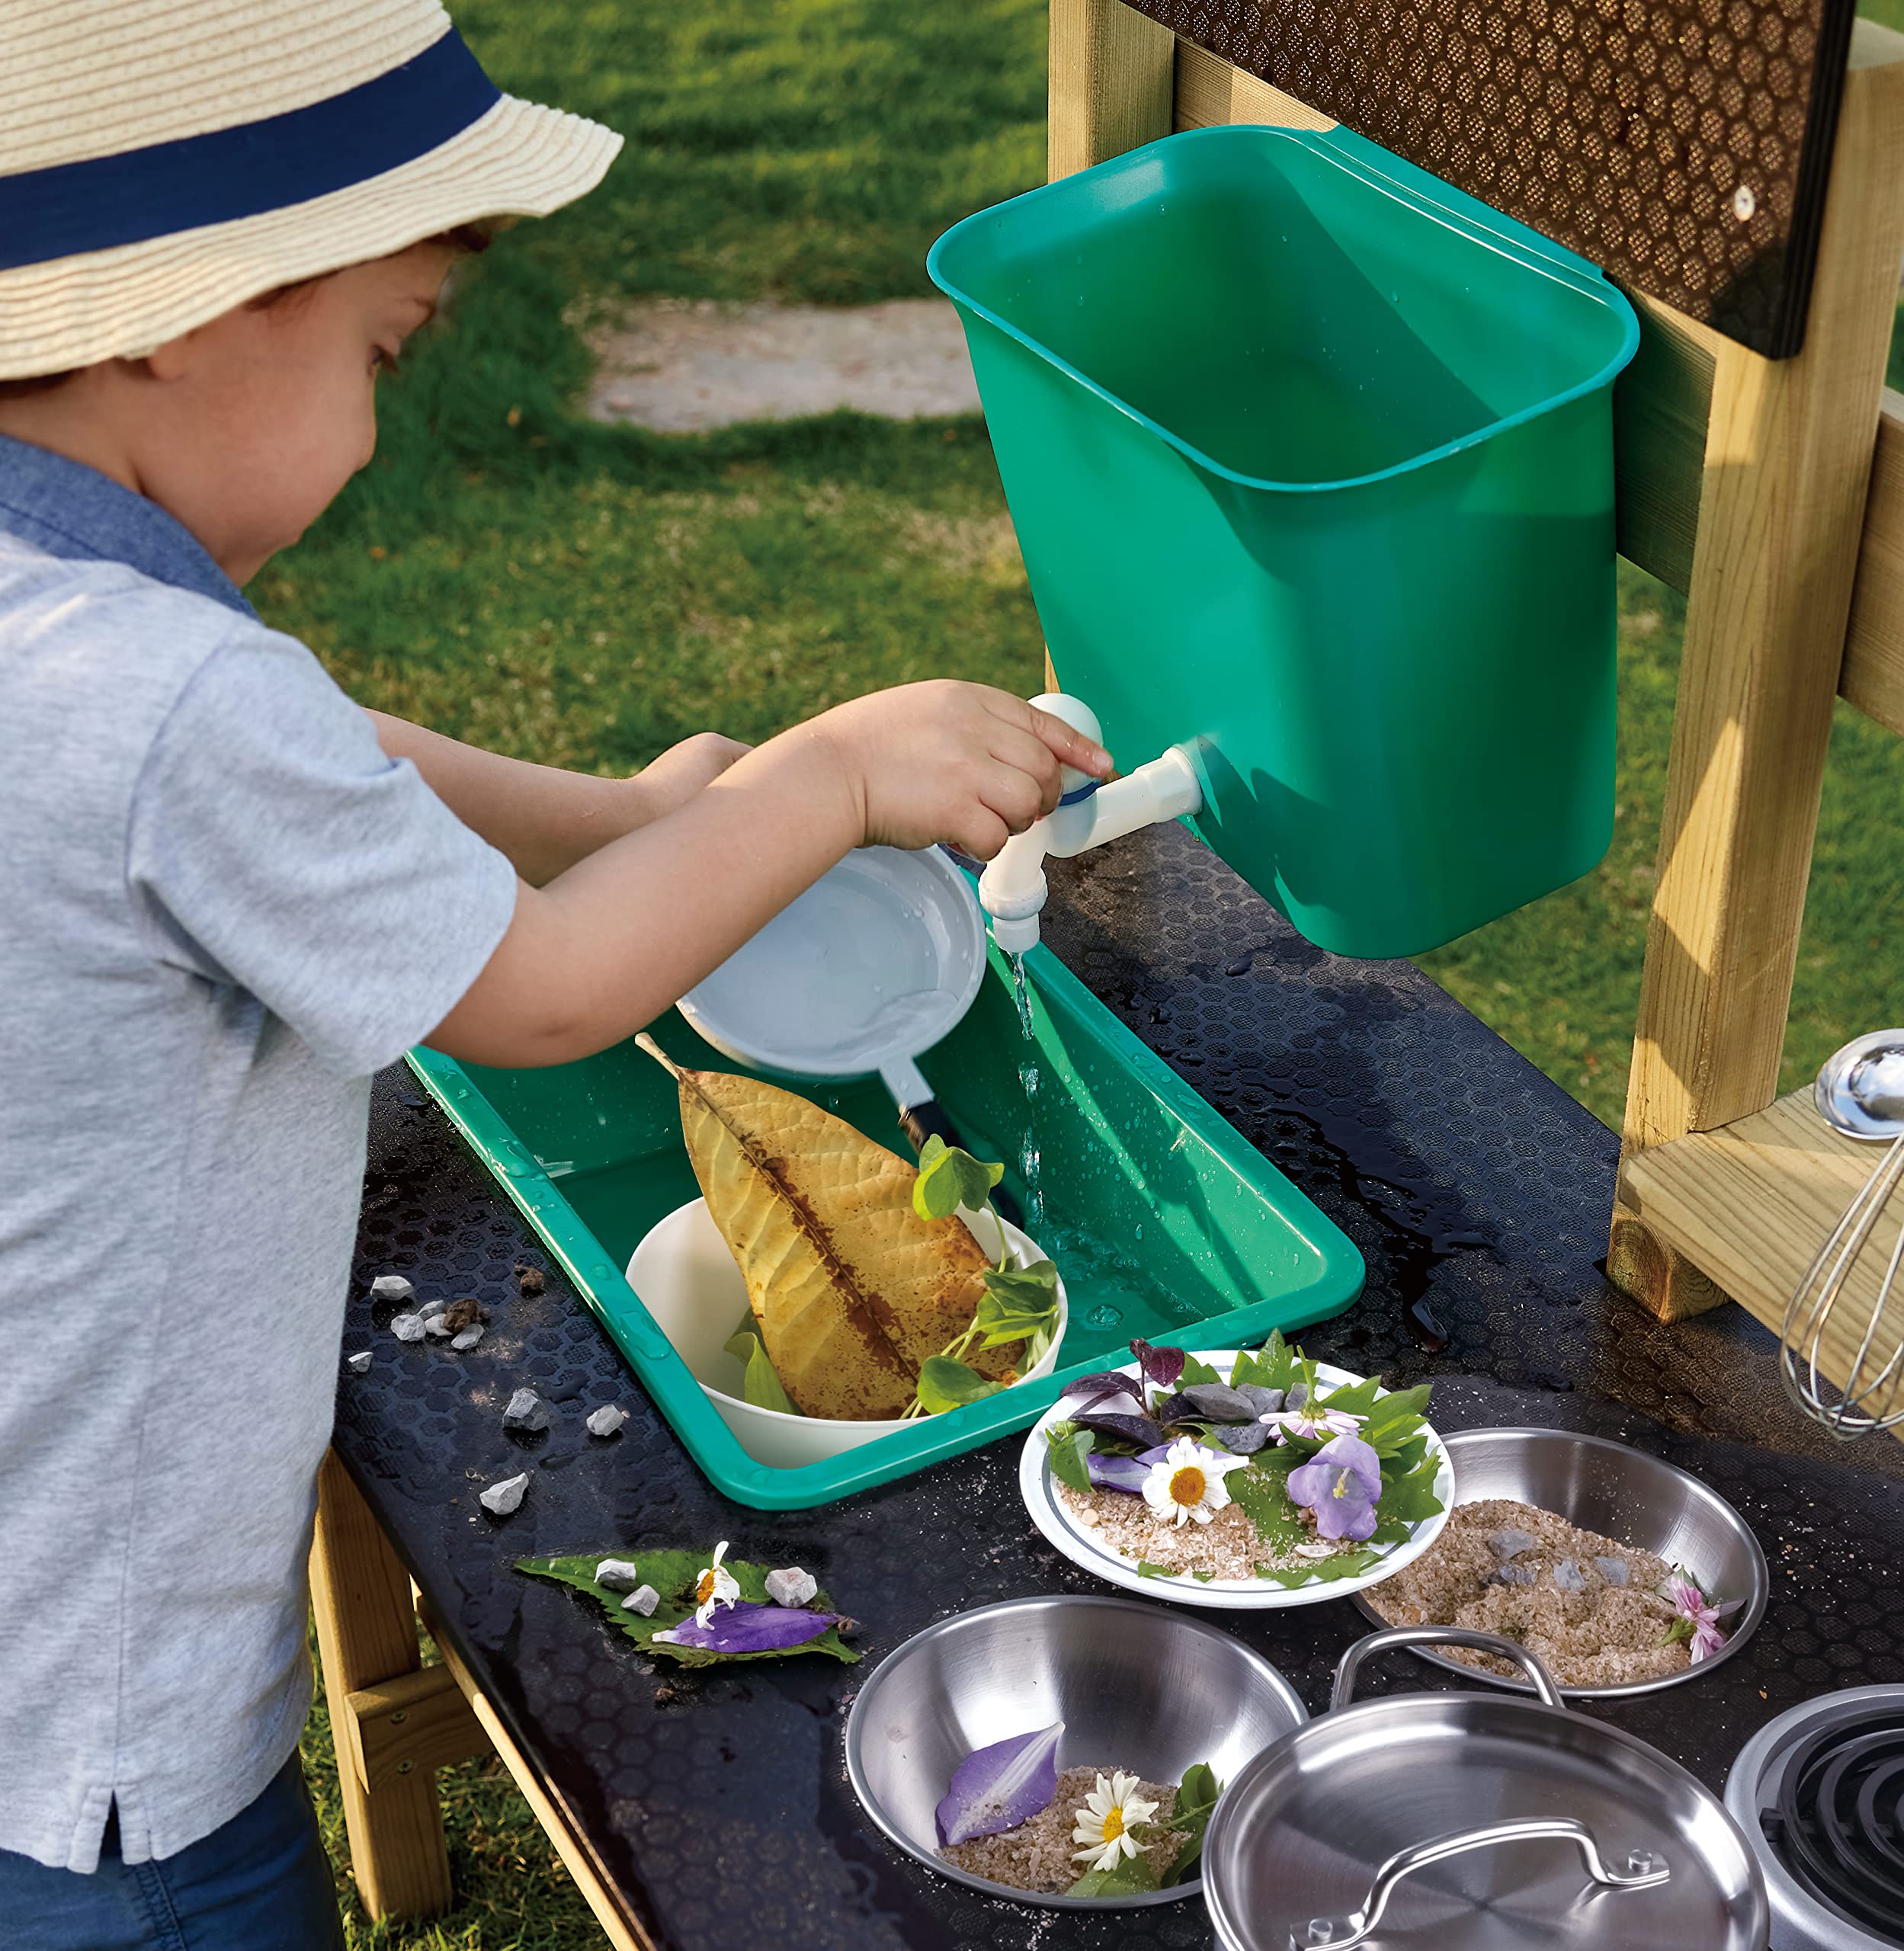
[428,1310]
[618,1573]
[358,1364]
[407,1326]
[1614,1571]
[1512,1573]
[607,1420]
[469,1336]
[643,1600]
[1568,1576]
[1510,1542]
[1241,1439]
[791,1586]
[391,1287]
[1216,1402]
[1264,1401]
[1297,1396]
[527,1411]
[434,1324]
[501,1499]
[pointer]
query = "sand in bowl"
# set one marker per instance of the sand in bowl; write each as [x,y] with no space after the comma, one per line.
[1038,1855]
[1587,1606]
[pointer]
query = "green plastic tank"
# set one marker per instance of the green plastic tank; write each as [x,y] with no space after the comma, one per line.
[1310,457]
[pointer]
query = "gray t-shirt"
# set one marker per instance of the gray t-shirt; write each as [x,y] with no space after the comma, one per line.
[221,908]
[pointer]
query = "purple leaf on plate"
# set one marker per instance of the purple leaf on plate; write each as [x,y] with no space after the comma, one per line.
[1100,1390]
[744,1627]
[1116,1473]
[1139,1429]
[1161,1366]
[995,1788]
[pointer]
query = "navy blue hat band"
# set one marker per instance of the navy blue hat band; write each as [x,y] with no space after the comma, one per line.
[248,171]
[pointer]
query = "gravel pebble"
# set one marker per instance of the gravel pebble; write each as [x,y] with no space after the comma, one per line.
[526,1410]
[618,1573]
[643,1600]
[359,1363]
[791,1586]
[501,1499]
[469,1338]
[607,1420]
[391,1287]
[407,1326]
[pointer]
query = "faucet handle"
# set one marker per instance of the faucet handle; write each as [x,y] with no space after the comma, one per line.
[1075,713]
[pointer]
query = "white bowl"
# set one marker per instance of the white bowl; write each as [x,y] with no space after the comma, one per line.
[687,1280]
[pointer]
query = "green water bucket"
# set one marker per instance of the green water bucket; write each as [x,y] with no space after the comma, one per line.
[1310,458]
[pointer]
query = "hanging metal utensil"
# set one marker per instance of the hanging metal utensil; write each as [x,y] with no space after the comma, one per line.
[1424,1821]
[1860,1092]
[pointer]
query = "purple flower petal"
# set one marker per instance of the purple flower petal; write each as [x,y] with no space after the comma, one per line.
[996,1787]
[744,1627]
[1161,1366]
[1116,1473]
[1351,1454]
[1347,1516]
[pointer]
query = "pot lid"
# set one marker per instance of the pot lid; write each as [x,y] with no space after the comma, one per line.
[1419,1821]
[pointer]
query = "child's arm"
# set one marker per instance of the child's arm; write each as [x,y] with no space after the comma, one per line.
[546,819]
[609,945]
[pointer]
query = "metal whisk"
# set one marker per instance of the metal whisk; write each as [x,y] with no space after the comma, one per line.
[1861,1093]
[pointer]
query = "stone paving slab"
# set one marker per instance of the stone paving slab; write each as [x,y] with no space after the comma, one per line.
[682,366]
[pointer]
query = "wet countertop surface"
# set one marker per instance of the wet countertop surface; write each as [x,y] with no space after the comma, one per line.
[715,1803]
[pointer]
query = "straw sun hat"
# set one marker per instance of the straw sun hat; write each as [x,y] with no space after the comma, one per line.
[162,161]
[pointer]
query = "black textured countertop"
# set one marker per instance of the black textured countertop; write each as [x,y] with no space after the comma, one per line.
[716,1803]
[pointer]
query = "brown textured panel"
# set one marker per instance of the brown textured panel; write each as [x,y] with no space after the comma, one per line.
[1682,144]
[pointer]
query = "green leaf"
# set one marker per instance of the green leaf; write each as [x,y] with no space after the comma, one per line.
[1396,1417]
[1131,1874]
[1068,1455]
[945,1384]
[1019,1304]
[1261,1491]
[1354,1399]
[1196,1798]
[1146,1570]
[1324,1570]
[672,1574]
[1276,1365]
[1202,1577]
[949,1178]
[1410,1498]
[1393,1531]
[1680,1628]
[1195,1372]
[762,1387]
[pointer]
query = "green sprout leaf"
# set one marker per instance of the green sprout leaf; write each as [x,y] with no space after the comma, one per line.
[1410,1498]
[1276,1365]
[1068,1455]
[1195,1372]
[1131,1874]
[1146,1570]
[1324,1572]
[762,1387]
[945,1384]
[1196,1798]
[949,1178]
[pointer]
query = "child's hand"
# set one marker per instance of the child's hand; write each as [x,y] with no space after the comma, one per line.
[945,760]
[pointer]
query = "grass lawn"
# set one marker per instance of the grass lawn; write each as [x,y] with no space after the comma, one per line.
[584,595]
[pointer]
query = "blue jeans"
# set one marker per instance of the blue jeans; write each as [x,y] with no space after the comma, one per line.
[260,1883]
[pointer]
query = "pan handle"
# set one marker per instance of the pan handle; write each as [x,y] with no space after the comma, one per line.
[1440,1635]
[1643,1870]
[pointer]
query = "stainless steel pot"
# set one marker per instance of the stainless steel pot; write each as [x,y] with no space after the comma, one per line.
[1488,1822]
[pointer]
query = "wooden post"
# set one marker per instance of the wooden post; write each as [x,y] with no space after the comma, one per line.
[366,1636]
[1112,76]
[1787,461]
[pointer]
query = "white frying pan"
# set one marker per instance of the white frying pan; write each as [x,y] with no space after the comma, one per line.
[873,964]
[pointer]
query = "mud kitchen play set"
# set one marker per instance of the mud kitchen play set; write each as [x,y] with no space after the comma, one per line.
[1310,458]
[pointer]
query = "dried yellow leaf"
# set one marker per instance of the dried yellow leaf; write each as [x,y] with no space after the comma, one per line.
[852,1290]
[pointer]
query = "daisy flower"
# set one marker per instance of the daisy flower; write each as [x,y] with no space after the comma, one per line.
[714,1588]
[1187,1482]
[1701,1617]
[1110,1812]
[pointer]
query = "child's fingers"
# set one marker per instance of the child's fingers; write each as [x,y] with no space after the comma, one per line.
[1026,755]
[1073,747]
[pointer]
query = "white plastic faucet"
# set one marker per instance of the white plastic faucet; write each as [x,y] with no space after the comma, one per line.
[1012,888]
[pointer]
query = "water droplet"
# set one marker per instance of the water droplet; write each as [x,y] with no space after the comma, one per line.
[1104,1315]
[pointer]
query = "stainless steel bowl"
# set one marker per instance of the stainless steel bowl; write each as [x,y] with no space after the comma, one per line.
[1137,1687]
[1621,1493]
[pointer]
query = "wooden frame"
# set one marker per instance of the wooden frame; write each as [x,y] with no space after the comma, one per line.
[1772,494]
[395,1722]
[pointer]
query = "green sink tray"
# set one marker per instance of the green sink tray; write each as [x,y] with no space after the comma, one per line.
[1164,1221]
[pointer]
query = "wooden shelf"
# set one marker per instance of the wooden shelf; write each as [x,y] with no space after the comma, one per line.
[1751,1204]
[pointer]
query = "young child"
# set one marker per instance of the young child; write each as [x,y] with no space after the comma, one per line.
[228,896]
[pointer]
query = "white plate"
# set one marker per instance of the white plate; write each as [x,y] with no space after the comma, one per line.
[1084,1548]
